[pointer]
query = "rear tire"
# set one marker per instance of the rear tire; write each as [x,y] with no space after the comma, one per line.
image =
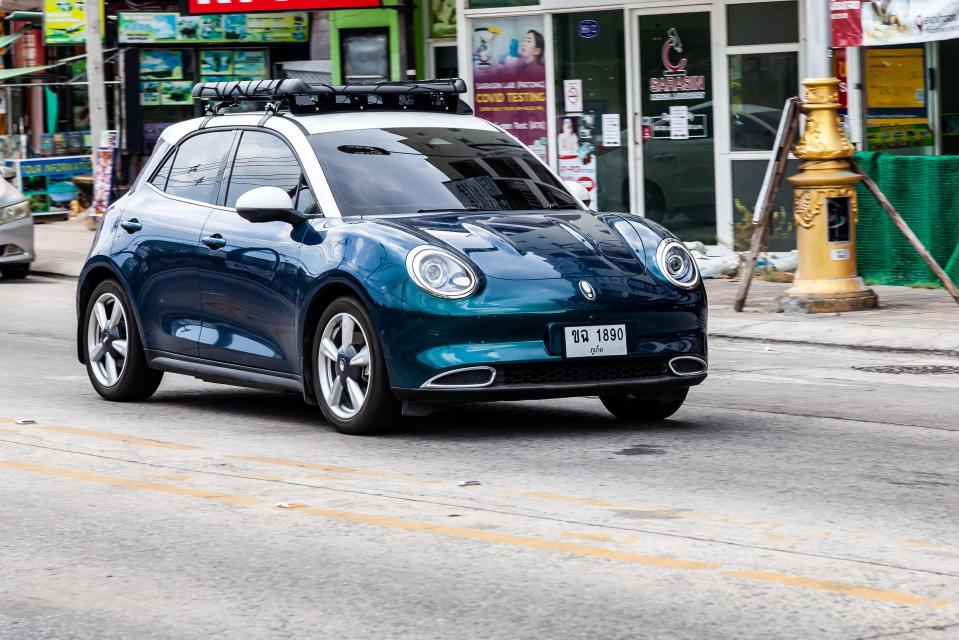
[350,379]
[644,408]
[115,361]
[14,271]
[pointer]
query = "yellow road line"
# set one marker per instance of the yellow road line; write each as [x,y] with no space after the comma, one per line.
[129,484]
[103,435]
[314,466]
[802,582]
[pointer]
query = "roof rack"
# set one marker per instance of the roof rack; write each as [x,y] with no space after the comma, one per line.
[302,98]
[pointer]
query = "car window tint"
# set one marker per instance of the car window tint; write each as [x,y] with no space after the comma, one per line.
[263,160]
[198,166]
[160,179]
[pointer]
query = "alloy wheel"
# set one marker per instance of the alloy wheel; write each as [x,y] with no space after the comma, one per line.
[343,366]
[107,339]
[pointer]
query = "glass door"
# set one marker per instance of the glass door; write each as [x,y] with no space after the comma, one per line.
[676,123]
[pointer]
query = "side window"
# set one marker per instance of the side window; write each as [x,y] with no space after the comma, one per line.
[263,160]
[160,179]
[305,202]
[198,165]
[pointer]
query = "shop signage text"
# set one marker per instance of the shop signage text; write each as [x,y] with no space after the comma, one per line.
[675,83]
[587,29]
[856,23]
[64,21]
[247,6]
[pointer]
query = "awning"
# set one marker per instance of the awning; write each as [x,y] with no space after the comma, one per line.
[6,74]
[6,41]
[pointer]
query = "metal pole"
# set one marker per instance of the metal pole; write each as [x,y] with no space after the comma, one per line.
[818,31]
[97,91]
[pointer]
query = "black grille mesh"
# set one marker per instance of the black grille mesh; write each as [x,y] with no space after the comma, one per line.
[570,371]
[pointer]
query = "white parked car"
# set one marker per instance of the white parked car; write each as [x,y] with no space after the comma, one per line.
[16,230]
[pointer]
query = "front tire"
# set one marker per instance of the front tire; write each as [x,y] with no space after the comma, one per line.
[115,361]
[642,408]
[350,379]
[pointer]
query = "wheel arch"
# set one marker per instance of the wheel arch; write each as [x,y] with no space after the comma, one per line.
[93,275]
[336,286]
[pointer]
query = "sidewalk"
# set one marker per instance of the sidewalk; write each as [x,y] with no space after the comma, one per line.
[907,319]
[925,320]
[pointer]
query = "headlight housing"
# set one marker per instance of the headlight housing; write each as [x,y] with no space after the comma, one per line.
[440,273]
[677,264]
[15,212]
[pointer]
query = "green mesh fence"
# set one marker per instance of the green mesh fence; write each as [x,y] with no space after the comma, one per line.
[925,191]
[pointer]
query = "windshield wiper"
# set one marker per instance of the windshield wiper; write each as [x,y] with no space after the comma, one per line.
[449,210]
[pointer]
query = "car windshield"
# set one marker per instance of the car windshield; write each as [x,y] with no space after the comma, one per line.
[416,169]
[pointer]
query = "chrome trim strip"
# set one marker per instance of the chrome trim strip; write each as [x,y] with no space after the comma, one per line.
[702,363]
[432,384]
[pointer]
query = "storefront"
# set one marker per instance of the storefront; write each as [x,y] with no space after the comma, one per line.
[669,109]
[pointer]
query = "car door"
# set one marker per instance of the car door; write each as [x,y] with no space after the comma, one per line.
[249,270]
[156,246]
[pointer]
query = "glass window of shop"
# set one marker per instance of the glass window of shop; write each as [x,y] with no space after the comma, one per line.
[949,97]
[679,184]
[590,95]
[763,64]
[499,4]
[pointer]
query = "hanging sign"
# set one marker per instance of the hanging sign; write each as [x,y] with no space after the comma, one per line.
[65,22]
[247,6]
[858,23]
[170,27]
[102,179]
[576,153]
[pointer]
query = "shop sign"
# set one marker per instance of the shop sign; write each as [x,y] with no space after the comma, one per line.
[247,6]
[172,28]
[28,51]
[897,114]
[858,23]
[103,179]
[509,77]
[65,22]
[587,29]
[576,152]
[442,18]
[48,182]
[573,95]
[675,83]
[663,126]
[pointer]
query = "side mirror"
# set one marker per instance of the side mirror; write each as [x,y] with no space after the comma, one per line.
[268,204]
[7,173]
[578,191]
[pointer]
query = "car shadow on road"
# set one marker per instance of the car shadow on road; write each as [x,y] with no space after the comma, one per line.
[508,420]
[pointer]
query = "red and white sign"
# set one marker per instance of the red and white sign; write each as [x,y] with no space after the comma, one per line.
[676,83]
[870,23]
[248,6]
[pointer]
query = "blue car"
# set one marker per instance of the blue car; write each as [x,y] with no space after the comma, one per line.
[379,250]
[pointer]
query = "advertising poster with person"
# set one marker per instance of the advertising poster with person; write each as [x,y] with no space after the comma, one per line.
[576,152]
[509,77]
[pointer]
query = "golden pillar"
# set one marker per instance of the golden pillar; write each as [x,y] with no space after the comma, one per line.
[825,211]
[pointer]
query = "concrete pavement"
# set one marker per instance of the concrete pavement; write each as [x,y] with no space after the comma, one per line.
[796,495]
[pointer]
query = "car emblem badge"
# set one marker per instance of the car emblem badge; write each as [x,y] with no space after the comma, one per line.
[342,365]
[587,289]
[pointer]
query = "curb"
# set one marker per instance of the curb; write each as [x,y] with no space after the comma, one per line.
[837,345]
[53,275]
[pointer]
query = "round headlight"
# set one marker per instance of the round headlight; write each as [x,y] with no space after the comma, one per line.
[440,273]
[677,264]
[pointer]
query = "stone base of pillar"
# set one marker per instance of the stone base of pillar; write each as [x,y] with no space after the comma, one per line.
[826,303]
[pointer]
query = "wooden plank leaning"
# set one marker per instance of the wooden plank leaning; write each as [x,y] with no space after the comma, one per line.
[788,126]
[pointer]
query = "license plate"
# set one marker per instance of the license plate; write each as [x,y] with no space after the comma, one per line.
[600,340]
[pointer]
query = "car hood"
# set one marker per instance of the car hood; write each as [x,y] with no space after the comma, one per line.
[525,246]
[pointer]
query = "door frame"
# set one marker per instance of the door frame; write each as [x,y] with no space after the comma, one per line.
[635,98]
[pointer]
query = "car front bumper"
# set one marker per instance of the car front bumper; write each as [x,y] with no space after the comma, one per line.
[19,234]
[515,329]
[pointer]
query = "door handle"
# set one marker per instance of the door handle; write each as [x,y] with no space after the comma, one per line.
[664,156]
[215,241]
[132,225]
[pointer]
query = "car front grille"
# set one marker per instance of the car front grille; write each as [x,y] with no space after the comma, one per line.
[570,371]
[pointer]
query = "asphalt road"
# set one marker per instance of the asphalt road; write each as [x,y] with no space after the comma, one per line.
[792,497]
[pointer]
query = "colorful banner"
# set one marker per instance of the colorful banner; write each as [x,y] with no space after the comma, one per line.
[246,6]
[102,179]
[576,152]
[65,22]
[858,23]
[173,28]
[509,77]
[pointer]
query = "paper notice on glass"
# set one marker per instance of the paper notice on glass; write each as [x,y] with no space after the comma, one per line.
[611,130]
[679,123]
[573,95]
